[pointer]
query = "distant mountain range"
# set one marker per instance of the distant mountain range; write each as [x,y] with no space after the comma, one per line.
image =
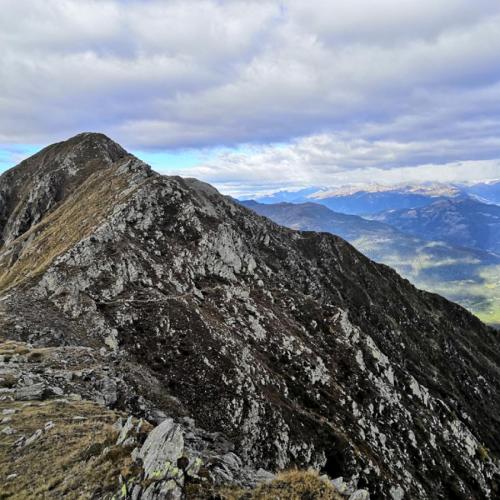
[465,275]
[458,221]
[488,192]
[377,198]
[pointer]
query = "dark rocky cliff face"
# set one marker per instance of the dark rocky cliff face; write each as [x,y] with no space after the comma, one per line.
[292,345]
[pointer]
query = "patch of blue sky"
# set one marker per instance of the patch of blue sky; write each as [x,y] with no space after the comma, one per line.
[168,161]
[11,155]
[163,161]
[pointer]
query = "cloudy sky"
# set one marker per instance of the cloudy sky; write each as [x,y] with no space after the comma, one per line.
[260,95]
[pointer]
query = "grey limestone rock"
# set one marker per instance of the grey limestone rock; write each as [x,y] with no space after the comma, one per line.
[360,495]
[162,448]
[31,392]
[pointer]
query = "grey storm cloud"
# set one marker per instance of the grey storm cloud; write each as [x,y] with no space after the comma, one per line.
[363,84]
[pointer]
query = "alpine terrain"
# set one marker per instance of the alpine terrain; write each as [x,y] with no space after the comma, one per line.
[160,340]
[453,220]
[468,276]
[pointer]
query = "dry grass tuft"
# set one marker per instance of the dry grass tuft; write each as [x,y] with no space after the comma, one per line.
[67,461]
[288,485]
[11,347]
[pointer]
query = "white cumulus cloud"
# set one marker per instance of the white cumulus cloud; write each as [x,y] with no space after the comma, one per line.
[313,90]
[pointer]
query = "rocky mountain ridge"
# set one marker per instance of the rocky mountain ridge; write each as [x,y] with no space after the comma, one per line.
[292,346]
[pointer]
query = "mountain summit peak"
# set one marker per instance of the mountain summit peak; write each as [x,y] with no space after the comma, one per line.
[38,184]
[69,156]
[91,139]
[80,149]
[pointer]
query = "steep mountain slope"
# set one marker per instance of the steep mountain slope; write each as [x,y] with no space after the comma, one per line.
[40,182]
[464,275]
[461,221]
[315,217]
[285,347]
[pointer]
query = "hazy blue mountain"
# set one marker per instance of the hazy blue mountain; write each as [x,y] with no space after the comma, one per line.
[315,217]
[288,196]
[488,192]
[370,199]
[362,203]
[375,198]
[464,275]
[461,221]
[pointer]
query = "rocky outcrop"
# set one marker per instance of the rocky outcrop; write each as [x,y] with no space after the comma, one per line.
[273,348]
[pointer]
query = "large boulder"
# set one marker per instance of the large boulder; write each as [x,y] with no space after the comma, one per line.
[162,448]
